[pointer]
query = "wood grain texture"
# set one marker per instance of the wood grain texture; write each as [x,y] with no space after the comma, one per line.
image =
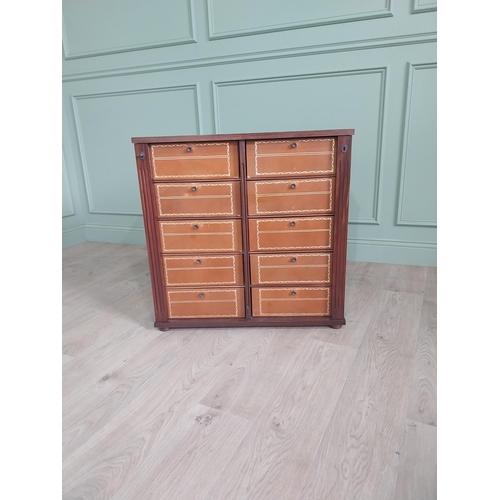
[274,457]
[110,458]
[302,412]
[98,302]
[211,196]
[362,294]
[66,359]
[339,237]
[423,395]
[115,389]
[357,456]
[104,357]
[409,279]
[199,447]
[152,230]
[253,376]
[356,270]
[417,476]
[238,137]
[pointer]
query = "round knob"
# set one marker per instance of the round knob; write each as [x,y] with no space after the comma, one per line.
[195,226]
[294,144]
[294,293]
[202,295]
[189,149]
[293,186]
[294,259]
[193,188]
[197,261]
[292,223]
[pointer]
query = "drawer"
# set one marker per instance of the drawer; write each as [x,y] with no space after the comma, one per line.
[206,303]
[293,196]
[206,270]
[195,161]
[301,233]
[297,301]
[199,199]
[291,157]
[200,236]
[290,268]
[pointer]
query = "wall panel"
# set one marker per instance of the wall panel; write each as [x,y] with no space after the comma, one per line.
[96,27]
[315,101]
[418,183]
[209,66]
[67,199]
[228,18]
[105,124]
[423,6]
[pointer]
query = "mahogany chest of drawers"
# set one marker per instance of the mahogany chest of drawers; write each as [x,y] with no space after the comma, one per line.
[246,229]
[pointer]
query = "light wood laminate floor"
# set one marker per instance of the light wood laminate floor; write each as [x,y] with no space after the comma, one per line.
[237,414]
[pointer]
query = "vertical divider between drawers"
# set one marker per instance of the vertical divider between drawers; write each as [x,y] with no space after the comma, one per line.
[242,152]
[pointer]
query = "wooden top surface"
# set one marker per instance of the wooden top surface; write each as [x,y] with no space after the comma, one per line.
[243,137]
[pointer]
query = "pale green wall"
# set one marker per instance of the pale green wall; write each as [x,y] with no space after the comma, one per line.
[156,67]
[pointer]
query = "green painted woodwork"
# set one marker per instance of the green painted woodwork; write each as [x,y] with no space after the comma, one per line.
[146,68]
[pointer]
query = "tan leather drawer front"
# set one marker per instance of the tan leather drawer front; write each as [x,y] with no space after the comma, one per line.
[195,161]
[295,196]
[290,268]
[205,270]
[199,199]
[299,301]
[200,236]
[206,303]
[291,157]
[301,233]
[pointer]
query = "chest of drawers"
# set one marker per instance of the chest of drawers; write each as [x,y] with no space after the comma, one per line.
[246,229]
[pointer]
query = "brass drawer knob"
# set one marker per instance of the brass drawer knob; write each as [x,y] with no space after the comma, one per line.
[202,295]
[193,188]
[293,186]
[292,223]
[189,149]
[197,261]
[294,259]
[294,293]
[294,144]
[195,226]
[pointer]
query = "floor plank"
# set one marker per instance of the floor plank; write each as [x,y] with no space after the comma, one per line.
[357,456]
[283,412]
[422,406]
[410,279]
[251,380]
[104,357]
[362,293]
[274,457]
[368,270]
[118,388]
[199,447]
[417,477]
[139,429]
[66,359]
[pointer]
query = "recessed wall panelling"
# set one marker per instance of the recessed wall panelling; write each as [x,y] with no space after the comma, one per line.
[418,184]
[67,200]
[96,27]
[423,6]
[105,124]
[349,99]
[172,67]
[229,18]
